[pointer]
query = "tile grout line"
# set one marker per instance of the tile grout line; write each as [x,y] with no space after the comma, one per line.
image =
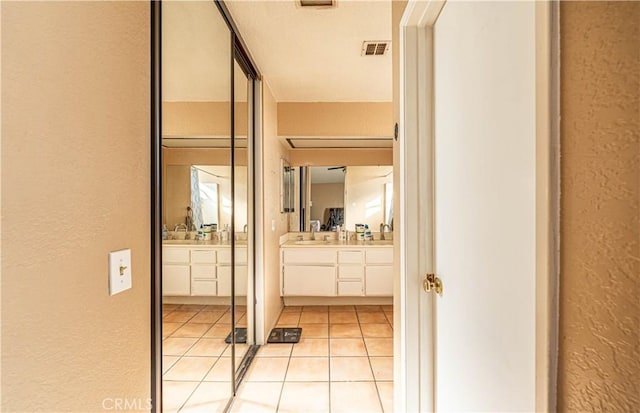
[370,365]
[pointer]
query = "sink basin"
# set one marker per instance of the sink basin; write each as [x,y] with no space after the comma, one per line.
[310,242]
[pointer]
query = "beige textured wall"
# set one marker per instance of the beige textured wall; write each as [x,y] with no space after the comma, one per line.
[325,196]
[335,119]
[202,118]
[324,157]
[599,354]
[364,195]
[273,151]
[75,181]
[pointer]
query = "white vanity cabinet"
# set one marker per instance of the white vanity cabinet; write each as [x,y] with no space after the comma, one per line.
[192,270]
[344,271]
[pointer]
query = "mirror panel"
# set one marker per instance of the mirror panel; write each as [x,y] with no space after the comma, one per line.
[196,155]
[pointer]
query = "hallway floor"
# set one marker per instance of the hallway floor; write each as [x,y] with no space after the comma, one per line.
[343,362]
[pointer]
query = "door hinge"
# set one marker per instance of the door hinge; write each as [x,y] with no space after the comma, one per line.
[432,283]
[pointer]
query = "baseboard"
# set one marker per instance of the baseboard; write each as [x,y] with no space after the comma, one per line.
[296,301]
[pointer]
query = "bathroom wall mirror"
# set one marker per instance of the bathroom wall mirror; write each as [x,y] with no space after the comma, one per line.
[287,187]
[364,192]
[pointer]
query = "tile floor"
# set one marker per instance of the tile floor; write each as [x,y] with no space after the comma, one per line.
[343,362]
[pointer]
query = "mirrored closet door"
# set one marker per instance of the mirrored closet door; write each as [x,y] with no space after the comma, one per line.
[207,206]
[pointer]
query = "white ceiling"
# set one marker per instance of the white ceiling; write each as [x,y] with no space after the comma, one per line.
[324,175]
[313,55]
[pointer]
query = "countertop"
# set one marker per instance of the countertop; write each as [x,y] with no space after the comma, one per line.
[337,244]
[194,243]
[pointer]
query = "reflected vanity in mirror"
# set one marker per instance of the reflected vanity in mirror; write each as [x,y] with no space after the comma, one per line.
[344,195]
[287,187]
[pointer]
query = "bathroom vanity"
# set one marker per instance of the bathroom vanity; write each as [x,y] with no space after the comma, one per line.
[336,268]
[202,268]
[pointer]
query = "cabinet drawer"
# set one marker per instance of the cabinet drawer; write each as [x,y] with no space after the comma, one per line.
[203,287]
[199,271]
[350,257]
[380,256]
[203,256]
[224,280]
[350,288]
[224,256]
[351,271]
[309,256]
[175,255]
[176,280]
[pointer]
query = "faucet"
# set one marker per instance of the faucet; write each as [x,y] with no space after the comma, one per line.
[178,227]
[382,230]
[313,232]
[245,228]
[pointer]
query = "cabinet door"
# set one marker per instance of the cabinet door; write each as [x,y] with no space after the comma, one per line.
[224,280]
[379,280]
[309,280]
[176,280]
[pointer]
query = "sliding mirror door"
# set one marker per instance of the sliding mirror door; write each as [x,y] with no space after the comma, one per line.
[198,207]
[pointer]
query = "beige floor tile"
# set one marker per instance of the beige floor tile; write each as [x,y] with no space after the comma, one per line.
[386,308]
[241,349]
[379,346]
[341,308]
[190,369]
[311,347]
[389,316]
[368,308]
[345,331]
[372,317]
[288,320]
[344,399]
[220,330]
[209,317]
[376,330]
[385,390]
[267,369]
[218,307]
[208,398]
[221,371]
[314,318]
[343,318]
[308,369]
[212,347]
[348,347]
[314,330]
[179,316]
[170,328]
[176,393]
[304,397]
[167,362]
[192,330]
[170,306]
[177,346]
[350,369]
[257,398]
[315,309]
[382,368]
[275,350]
[292,309]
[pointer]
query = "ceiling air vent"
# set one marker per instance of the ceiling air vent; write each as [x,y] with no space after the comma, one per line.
[317,3]
[378,48]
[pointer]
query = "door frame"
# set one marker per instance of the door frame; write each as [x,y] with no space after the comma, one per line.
[414,374]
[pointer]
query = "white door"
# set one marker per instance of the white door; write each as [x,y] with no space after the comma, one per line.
[482,235]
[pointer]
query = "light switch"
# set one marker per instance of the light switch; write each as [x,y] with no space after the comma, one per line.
[119,271]
[273,225]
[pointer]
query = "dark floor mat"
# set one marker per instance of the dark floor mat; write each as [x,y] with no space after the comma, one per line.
[285,335]
[241,336]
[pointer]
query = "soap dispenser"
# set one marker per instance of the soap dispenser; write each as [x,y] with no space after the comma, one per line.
[165,232]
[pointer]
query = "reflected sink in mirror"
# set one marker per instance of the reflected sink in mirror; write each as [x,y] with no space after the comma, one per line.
[311,242]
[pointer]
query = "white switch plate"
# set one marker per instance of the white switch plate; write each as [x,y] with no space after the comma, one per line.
[273,225]
[119,271]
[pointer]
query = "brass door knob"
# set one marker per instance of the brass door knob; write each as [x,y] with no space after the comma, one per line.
[432,283]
